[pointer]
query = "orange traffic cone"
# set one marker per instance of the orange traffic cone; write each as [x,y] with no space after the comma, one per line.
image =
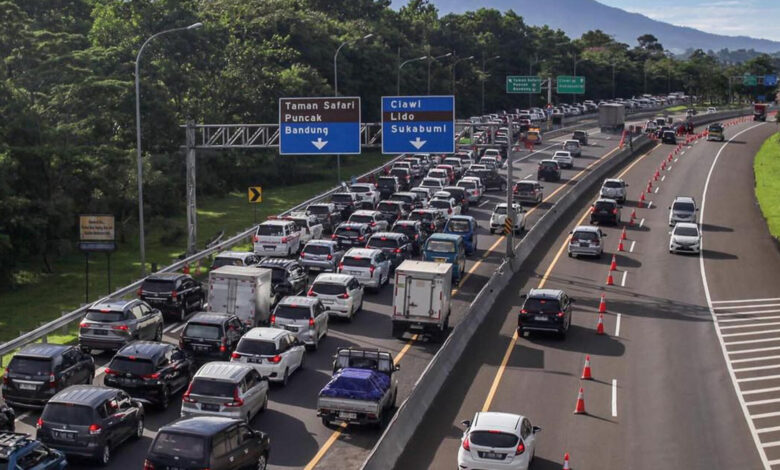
[566,461]
[613,265]
[656,175]
[649,187]
[603,304]
[579,409]
[600,325]
[663,165]
[586,375]
[610,281]
[623,233]
[620,246]
[633,214]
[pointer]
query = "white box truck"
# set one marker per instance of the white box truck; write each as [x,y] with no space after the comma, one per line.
[421,303]
[612,117]
[241,290]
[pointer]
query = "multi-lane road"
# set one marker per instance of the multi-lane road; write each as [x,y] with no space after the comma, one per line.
[538,371]
[663,396]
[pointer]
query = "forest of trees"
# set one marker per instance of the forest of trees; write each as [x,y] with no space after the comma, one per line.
[67,133]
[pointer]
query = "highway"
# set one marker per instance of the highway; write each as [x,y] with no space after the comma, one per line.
[663,396]
[299,440]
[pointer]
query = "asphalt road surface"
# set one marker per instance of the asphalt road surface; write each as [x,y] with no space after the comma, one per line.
[663,396]
[299,440]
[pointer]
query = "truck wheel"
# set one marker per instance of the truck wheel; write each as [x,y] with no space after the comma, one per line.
[325,422]
[398,332]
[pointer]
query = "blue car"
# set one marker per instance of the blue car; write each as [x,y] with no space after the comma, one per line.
[18,450]
[466,227]
[447,248]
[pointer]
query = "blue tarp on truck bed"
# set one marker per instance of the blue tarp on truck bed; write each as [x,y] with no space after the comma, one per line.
[357,384]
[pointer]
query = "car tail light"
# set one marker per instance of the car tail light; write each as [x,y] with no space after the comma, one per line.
[255,239]
[302,255]
[154,376]
[276,359]
[520,449]
[361,238]
[95,429]
[186,397]
[52,381]
[341,266]
[449,211]
[39,423]
[433,227]
[330,257]
[344,295]
[111,371]
[273,319]
[84,325]
[333,236]
[284,239]
[559,314]
[237,401]
[223,345]
[397,250]
[573,240]
[148,465]
[614,211]
[6,381]
[139,292]
[371,270]
[596,242]
[311,323]
[373,224]
[174,294]
[119,327]
[181,342]
[311,292]
[235,355]
[592,210]
[466,445]
[523,312]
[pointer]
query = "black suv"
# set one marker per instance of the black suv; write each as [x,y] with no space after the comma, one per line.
[392,210]
[396,246]
[90,421]
[7,417]
[432,220]
[150,372]
[287,276]
[210,442]
[345,203]
[605,211]
[668,137]
[460,196]
[387,185]
[545,310]
[413,229]
[175,294]
[349,235]
[404,177]
[327,214]
[211,336]
[548,170]
[39,371]
[113,324]
[490,179]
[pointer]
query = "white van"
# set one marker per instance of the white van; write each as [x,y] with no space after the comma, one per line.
[277,238]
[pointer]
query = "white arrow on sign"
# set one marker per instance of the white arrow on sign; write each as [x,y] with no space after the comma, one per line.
[418,143]
[319,143]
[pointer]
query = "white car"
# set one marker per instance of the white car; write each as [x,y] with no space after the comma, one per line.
[711,110]
[685,237]
[434,184]
[370,266]
[498,217]
[438,174]
[614,188]
[275,353]
[472,186]
[494,440]
[564,159]
[683,209]
[423,194]
[573,147]
[277,238]
[375,220]
[341,294]
[366,192]
[446,207]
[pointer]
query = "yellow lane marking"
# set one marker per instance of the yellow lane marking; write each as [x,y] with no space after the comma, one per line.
[508,353]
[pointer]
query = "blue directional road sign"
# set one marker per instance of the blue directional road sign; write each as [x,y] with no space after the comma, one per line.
[770,80]
[319,126]
[418,124]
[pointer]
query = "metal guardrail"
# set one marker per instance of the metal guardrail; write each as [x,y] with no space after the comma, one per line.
[63,321]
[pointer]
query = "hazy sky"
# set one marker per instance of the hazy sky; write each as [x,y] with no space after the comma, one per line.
[754,18]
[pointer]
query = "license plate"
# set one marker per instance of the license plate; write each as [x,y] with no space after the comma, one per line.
[492,455]
[540,317]
[174,468]
[290,327]
[64,435]
[269,247]
[201,347]
[100,332]
[326,302]
[209,407]
[26,386]
[586,245]
[346,415]
[255,360]
[440,260]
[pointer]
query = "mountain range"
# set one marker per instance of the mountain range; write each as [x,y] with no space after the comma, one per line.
[579,16]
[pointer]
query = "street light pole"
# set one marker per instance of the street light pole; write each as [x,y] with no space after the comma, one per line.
[576,61]
[398,77]
[613,79]
[530,73]
[429,67]
[483,78]
[336,88]
[454,64]
[139,159]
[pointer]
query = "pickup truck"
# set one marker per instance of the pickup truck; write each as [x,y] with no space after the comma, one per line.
[308,226]
[362,389]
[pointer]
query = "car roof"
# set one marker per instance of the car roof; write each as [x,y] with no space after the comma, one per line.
[366,212]
[43,350]
[210,317]
[89,395]
[298,300]
[235,254]
[407,222]
[686,225]
[144,349]
[352,225]
[684,199]
[333,278]
[199,425]
[586,228]
[277,263]
[264,333]
[614,180]
[320,241]
[387,235]
[362,252]
[113,305]
[445,237]
[165,276]
[223,370]
[277,222]
[545,293]
[492,420]
[605,199]
[463,217]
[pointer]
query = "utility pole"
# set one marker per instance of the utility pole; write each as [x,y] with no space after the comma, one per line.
[613,79]
[510,213]
[530,73]
[483,79]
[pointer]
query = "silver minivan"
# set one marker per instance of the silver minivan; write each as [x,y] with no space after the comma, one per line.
[304,316]
[586,240]
[341,294]
[370,266]
[225,389]
[321,255]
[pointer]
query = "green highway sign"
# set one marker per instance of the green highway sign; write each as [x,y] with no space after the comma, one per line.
[570,84]
[523,84]
[749,80]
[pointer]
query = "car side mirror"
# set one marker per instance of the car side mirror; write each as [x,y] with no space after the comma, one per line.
[670,207]
[466,423]
[536,429]
[251,434]
[603,234]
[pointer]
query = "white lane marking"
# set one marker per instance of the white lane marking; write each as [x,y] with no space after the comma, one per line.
[734,320]
[748,369]
[751,312]
[729,368]
[171,326]
[669,168]
[614,398]
[766,415]
[623,282]
[483,202]
[758,379]
[751,341]
[754,359]
[650,204]
[527,176]
[746,306]
[535,152]
[663,177]
[733,327]
[642,222]
[750,333]
[617,324]
[633,243]
[772,429]
[178,328]
[656,189]
[682,153]
[756,350]
[763,402]
[761,390]
[676,159]
[771,444]
[743,301]
[773,462]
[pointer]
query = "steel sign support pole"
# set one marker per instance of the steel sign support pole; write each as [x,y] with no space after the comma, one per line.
[192,216]
[510,240]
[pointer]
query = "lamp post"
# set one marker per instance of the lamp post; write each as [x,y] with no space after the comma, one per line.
[429,67]
[454,64]
[484,61]
[336,87]
[613,64]
[141,240]
[530,73]
[576,61]
[398,77]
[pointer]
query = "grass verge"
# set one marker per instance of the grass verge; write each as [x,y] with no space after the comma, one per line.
[766,168]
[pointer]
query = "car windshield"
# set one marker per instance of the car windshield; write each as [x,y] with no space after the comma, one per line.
[683,207]
[67,413]
[572,144]
[424,216]
[440,204]
[277,274]
[549,164]
[541,305]
[101,316]
[225,261]
[458,226]
[686,231]
[30,365]
[578,134]
[440,246]
[270,230]
[583,235]
[525,187]
[604,205]
[612,184]
[317,249]
[175,444]
[131,366]
[327,288]
[343,198]
[349,232]
[492,439]
[158,285]
[402,172]
[360,189]
[319,210]
[293,312]
[467,184]
[499,210]
[386,207]
[356,261]
[402,198]
[300,224]
[407,230]
[202,330]
[382,242]
[212,388]
[430,183]
[256,347]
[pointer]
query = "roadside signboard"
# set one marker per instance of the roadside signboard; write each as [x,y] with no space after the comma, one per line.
[255,194]
[96,232]
[570,84]
[749,80]
[319,126]
[418,124]
[523,84]
[770,80]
